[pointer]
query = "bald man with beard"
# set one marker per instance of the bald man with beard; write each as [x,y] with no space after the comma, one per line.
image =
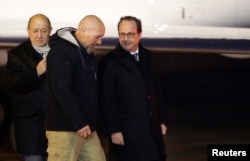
[71,108]
[25,78]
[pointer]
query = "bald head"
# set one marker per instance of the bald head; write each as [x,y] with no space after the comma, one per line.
[39,29]
[41,17]
[90,31]
[90,21]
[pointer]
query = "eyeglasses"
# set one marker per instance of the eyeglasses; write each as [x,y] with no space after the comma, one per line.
[129,35]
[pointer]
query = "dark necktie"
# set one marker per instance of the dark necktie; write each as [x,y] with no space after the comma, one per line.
[136,55]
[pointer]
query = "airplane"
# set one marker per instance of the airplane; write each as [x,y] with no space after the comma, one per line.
[172,24]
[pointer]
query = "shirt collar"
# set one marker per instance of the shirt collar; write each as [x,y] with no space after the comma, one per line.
[137,51]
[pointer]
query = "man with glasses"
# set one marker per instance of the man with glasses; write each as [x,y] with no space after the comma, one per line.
[130,98]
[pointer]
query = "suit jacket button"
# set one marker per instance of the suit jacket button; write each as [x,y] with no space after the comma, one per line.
[149,97]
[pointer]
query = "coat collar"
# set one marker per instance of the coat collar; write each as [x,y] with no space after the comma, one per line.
[32,52]
[128,61]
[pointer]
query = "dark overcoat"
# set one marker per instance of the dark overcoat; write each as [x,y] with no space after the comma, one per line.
[28,99]
[131,103]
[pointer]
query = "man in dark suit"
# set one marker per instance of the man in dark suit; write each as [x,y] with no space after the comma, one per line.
[130,98]
[25,77]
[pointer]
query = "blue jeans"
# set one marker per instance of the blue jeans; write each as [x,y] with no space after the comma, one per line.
[34,158]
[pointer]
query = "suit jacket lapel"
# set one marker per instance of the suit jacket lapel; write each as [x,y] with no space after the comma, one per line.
[128,62]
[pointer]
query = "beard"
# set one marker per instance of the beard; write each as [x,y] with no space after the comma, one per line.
[90,50]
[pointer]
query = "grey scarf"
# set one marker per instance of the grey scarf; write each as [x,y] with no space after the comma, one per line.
[42,50]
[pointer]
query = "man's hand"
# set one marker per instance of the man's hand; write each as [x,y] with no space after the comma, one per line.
[117,138]
[164,129]
[41,67]
[84,132]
